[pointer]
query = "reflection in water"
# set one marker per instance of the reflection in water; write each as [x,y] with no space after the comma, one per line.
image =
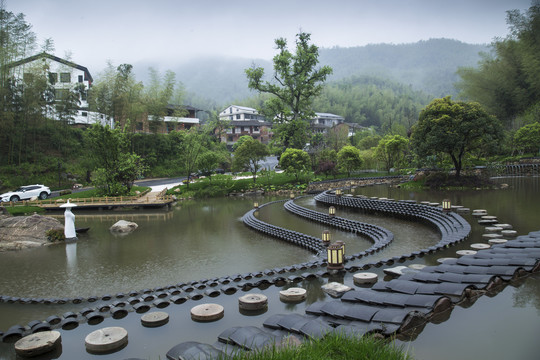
[71,258]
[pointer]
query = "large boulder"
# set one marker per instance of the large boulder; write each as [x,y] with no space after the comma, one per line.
[23,232]
[123,227]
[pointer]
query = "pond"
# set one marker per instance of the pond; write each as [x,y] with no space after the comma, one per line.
[205,239]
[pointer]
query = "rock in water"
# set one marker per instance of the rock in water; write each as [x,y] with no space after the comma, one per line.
[123,227]
[23,232]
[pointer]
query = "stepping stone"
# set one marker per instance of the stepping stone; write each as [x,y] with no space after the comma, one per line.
[207,312]
[253,302]
[38,343]
[480,246]
[466,252]
[479,212]
[497,241]
[395,271]
[155,319]
[106,339]
[492,236]
[193,350]
[504,226]
[445,259]
[433,204]
[509,233]
[417,266]
[335,289]
[493,229]
[489,217]
[364,278]
[463,210]
[293,295]
[486,222]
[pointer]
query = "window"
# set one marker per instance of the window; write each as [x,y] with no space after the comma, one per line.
[53,78]
[61,94]
[139,126]
[237,116]
[65,77]
[80,78]
[84,113]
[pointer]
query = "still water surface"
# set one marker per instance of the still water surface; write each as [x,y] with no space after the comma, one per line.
[205,239]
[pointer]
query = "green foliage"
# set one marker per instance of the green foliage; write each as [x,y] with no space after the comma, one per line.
[507,81]
[348,159]
[454,128]
[55,235]
[116,168]
[334,346]
[24,210]
[373,102]
[297,83]
[391,150]
[527,138]
[294,161]
[248,156]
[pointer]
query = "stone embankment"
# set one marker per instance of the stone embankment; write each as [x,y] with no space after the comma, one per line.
[320,186]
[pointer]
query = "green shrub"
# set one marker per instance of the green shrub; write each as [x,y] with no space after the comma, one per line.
[55,235]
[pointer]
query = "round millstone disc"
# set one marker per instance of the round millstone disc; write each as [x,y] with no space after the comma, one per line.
[38,343]
[509,233]
[365,278]
[292,294]
[486,222]
[417,266]
[497,241]
[480,246]
[106,339]
[155,319]
[443,259]
[479,212]
[492,236]
[466,252]
[489,217]
[253,302]
[207,312]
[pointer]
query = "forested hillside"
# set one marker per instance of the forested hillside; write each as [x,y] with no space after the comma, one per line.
[429,66]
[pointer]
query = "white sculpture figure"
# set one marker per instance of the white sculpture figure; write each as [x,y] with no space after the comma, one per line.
[69,225]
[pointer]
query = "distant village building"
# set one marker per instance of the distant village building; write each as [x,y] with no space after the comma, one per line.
[63,76]
[323,122]
[179,117]
[244,120]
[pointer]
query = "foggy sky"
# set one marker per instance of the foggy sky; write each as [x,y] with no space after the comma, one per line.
[168,32]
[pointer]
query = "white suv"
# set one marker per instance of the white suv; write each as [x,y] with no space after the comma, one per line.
[26,193]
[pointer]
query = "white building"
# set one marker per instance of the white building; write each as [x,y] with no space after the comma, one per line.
[240,113]
[64,76]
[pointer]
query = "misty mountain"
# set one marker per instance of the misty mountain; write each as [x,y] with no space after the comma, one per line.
[429,66]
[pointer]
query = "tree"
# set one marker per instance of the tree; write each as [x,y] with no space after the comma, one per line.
[348,159]
[326,162]
[248,156]
[527,138]
[116,168]
[207,162]
[294,161]
[192,145]
[507,81]
[296,82]
[454,128]
[391,150]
